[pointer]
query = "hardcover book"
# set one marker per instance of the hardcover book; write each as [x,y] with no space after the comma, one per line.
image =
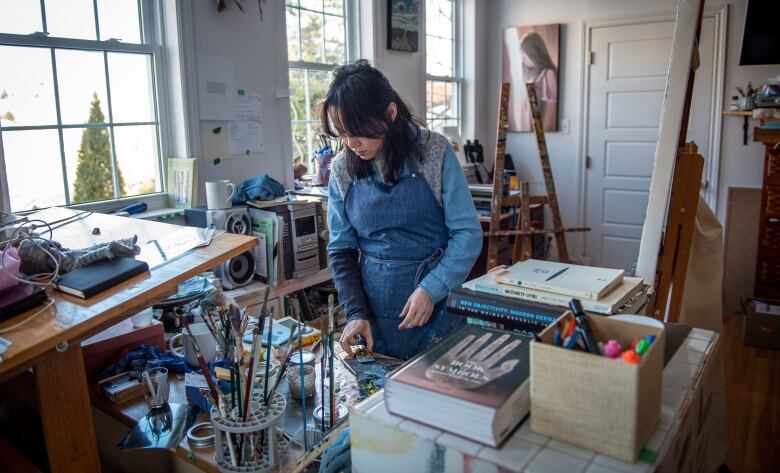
[87,281]
[607,305]
[586,282]
[474,383]
[510,313]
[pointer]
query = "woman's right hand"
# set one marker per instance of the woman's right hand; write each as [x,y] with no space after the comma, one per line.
[350,335]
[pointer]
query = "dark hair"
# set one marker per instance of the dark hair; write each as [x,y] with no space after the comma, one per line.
[359,96]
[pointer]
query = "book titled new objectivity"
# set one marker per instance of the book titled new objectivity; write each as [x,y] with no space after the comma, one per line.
[586,282]
[474,383]
[86,281]
[607,305]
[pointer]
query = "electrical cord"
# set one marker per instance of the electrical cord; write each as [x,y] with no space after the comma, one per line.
[19,324]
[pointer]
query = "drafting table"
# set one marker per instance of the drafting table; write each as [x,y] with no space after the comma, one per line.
[50,343]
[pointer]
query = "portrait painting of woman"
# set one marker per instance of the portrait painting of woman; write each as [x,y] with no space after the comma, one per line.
[531,55]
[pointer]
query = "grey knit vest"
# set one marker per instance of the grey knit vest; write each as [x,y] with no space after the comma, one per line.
[432,148]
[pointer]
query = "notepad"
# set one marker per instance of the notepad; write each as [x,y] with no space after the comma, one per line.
[95,278]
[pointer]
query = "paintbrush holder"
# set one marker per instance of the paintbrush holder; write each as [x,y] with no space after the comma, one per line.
[260,424]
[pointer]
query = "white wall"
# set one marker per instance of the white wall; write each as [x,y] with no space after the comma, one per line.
[740,165]
[259,50]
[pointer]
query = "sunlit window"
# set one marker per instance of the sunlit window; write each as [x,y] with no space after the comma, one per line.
[79,119]
[316,43]
[442,87]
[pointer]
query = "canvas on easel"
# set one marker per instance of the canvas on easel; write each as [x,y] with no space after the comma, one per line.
[671,209]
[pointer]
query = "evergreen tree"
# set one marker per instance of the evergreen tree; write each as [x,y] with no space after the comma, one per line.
[94,179]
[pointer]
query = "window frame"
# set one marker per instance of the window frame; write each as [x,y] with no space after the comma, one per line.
[352,51]
[457,64]
[151,18]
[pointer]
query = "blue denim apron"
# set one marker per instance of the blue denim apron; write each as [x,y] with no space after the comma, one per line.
[402,236]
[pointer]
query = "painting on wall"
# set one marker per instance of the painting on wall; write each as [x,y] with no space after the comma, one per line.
[403,25]
[532,54]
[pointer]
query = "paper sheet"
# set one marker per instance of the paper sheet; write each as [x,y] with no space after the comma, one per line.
[216,86]
[246,130]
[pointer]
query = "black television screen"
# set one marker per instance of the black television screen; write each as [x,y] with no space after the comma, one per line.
[761,38]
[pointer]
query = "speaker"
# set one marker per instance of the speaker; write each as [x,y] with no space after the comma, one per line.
[232,220]
[237,271]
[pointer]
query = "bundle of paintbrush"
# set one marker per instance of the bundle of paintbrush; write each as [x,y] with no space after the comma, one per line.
[328,404]
[228,327]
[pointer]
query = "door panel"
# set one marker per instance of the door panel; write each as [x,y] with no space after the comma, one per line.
[626,91]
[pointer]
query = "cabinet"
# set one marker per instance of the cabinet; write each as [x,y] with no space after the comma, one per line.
[768,255]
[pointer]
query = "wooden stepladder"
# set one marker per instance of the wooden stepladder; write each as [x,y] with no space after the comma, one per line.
[524,231]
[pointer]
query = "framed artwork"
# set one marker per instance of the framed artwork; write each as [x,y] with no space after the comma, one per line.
[532,54]
[403,25]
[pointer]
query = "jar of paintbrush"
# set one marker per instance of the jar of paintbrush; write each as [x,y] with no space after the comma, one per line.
[298,390]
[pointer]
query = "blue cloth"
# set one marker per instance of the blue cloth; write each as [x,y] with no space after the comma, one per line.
[258,188]
[144,357]
[337,457]
[406,239]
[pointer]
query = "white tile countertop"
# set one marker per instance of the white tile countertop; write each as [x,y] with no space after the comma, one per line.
[385,442]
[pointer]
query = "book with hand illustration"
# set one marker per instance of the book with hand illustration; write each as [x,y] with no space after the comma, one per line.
[474,383]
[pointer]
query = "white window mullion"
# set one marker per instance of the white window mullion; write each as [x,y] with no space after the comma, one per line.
[56,86]
[114,165]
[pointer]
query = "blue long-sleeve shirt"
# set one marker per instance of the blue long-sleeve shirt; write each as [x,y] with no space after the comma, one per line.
[463,246]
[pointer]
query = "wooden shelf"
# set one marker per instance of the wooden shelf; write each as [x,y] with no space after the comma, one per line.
[738,113]
[253,293]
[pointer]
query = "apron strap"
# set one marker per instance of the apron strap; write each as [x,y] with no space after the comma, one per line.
[429,262]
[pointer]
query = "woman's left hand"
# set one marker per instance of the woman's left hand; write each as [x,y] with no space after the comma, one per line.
[417,311]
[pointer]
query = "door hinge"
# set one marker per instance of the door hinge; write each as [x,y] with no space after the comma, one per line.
[587,162]
[590,58]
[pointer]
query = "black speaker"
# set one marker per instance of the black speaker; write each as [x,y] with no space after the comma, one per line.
[237,271]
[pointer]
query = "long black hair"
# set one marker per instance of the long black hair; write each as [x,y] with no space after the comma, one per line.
[356,105]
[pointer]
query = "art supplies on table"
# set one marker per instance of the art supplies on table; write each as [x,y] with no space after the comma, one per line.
[121,387]
[20,298]
[509,314]
[86,281]
[611,303]
[473,383]
[596,382]
[586,282]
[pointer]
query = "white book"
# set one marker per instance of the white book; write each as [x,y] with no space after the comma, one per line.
[608,305]
[584,282]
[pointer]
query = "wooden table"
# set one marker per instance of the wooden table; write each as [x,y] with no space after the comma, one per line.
[50,343]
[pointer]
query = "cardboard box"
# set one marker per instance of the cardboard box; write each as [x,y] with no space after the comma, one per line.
[108,346]
[593,401]
[762,323]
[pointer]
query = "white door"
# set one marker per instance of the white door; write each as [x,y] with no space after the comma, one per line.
[626,90]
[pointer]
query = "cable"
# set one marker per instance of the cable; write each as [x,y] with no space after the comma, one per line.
[18,324]
[34,279]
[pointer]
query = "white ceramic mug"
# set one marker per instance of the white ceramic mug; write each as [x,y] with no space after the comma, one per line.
[219,194]
[206,343]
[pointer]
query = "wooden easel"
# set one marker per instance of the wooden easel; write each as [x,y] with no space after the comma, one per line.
[681,212]
[524,231]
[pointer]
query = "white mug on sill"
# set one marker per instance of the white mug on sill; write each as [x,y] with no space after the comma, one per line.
[206,343]
[217,194]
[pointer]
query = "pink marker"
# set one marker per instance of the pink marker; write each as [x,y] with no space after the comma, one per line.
[612,349]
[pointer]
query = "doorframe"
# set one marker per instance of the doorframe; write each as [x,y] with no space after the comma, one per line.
[712,170]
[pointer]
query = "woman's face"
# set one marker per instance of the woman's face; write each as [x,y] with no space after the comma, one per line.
[365,148]
[368,148]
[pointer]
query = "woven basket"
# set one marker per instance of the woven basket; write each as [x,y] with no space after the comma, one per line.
[593,401]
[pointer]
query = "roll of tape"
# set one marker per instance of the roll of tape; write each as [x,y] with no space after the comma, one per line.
[195,435]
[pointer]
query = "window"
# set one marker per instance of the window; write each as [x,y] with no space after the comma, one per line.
[316,42]
[79,119]
[442,64]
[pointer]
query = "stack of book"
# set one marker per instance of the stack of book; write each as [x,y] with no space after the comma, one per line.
[531,294]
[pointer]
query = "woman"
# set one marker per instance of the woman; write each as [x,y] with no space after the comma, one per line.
[403,228]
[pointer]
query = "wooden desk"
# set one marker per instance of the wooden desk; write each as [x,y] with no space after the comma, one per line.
[50,343]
